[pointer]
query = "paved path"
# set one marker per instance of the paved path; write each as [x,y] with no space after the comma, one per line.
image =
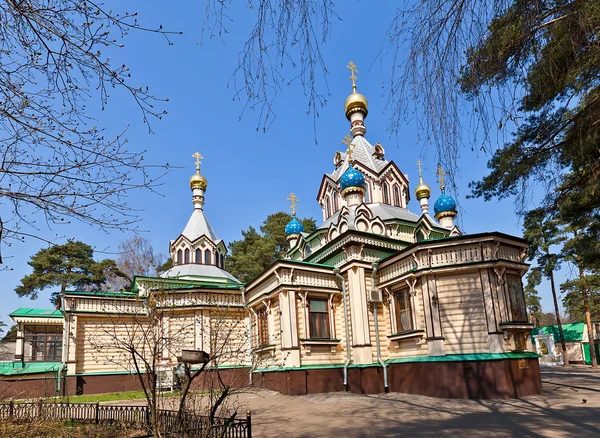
[560,411]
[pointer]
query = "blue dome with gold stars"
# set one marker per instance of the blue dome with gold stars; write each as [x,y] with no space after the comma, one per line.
[444,203]
[352,178]
[294,227]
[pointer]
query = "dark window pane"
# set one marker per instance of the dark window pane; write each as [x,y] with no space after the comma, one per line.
[319,319]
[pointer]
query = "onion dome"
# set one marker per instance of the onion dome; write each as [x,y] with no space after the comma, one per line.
[198,180]
[445,205]
[423,190]
[294,227]
[356,102]
[352,178]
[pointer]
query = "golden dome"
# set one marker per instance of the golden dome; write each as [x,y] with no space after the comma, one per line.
[356,100]
[422,190]
[198,180]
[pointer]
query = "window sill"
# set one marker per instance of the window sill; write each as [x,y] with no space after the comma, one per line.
[265,348]
[516,326]
[320,341]
[309,343]
[407,335]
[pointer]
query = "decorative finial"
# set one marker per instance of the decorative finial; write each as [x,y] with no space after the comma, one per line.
[440,172]
[198,158]
[352,67]
[420,165]
[293,198]
[348,142]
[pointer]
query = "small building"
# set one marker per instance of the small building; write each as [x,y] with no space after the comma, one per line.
[547,342]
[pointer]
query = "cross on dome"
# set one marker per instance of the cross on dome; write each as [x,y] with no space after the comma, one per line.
[419,166]
[198,158]
[348,142]
[352,67]
[440,172]
[293,199]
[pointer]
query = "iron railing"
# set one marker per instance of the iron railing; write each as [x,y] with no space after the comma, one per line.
[136,417]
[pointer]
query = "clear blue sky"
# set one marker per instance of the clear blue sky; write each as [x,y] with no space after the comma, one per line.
[203,116]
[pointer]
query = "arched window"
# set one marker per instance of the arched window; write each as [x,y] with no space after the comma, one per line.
[179,257]
[367,193]
[198,256]
[335,202]
[396,196]
[186,256]
[222,262]
[207,257]
[386,194]
[327,208]
[420,236]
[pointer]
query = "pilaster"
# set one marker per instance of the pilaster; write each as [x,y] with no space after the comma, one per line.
[359,316]
[20,343]
[71,344]
[289,328]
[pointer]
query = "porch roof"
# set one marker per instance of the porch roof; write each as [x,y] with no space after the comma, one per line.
[29,312]
[20,368]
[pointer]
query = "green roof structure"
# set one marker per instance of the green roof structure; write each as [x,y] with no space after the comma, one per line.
[28,312]
[102,293]
[20,368]
[572,332]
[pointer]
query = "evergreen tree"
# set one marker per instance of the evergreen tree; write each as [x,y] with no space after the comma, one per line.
[63,266]
[556,145]
[11,334]
[532,298]
[573,299]
[543,233]
[258,250]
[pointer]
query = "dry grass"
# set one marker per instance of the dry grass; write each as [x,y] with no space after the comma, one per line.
[62,429]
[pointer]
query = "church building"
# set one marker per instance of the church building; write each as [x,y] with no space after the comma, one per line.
[378,298]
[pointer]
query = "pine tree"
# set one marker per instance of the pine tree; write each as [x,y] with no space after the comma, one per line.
[543,233]
[63,266]
[258,250]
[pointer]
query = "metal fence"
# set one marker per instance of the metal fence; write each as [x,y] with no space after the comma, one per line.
[136,417]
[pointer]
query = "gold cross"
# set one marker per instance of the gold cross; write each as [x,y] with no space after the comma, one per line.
[440,172]
[348,142]
[293,198]
[198,157]
[419,165]
[352,67]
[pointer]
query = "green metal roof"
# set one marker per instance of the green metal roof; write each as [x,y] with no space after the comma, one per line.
[102,293]
[572,332]
[20,368]
[37,313]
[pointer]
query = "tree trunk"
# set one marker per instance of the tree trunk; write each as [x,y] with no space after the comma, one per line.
[588,320]
[558,322]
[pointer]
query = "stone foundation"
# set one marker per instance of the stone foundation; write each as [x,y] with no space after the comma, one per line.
[482,379]
[466,379]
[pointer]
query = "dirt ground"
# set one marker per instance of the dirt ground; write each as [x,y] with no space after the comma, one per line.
[560,411]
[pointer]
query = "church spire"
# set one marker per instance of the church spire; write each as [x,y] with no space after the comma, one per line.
[198,183]
[356,106]
[423,192]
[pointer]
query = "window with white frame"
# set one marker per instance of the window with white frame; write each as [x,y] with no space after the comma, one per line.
[403,310]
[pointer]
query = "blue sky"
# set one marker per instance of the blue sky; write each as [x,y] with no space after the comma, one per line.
[250,173]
